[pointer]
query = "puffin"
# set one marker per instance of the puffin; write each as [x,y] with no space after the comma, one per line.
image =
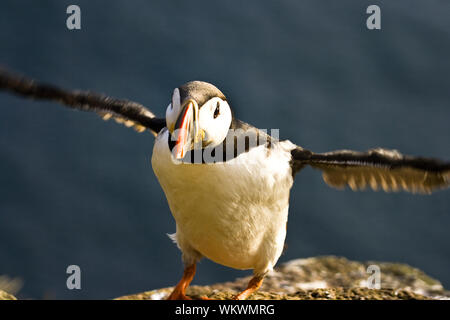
[227,183]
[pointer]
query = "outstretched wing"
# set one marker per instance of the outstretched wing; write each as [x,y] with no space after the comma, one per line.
[376,168]
[129,113]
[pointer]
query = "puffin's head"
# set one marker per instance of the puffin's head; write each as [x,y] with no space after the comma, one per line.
[198,116]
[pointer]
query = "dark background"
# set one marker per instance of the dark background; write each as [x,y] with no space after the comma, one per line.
[77,190]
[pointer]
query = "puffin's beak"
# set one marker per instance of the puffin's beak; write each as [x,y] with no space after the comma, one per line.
[187,129]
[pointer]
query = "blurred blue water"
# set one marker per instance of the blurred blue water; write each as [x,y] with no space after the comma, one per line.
[76,190]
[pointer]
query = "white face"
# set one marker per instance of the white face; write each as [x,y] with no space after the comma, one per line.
[214,119]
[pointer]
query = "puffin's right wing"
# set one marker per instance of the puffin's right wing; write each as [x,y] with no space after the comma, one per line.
[376,168]
[129,113]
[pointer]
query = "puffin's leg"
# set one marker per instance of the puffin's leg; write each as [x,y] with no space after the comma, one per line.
[252,286]
[179,293]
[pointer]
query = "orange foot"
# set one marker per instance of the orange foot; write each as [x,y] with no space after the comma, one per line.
[253,285]
[179,293]
[176,295]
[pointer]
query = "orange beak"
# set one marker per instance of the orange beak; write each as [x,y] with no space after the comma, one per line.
[184,126]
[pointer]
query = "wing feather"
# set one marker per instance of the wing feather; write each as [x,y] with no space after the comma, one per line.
[128,113]
[378,169]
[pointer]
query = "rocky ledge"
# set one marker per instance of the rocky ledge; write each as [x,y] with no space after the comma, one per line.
[328,277]
[320,278]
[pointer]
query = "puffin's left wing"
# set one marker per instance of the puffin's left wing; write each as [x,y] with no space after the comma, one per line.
[377,168]
[129,113]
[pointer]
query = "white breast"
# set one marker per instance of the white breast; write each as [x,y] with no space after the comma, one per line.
[234,213]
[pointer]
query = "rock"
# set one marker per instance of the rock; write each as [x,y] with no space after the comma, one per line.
[10,285]
[6,296]
[325,277]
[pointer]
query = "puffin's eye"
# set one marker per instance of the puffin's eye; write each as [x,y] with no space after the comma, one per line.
[217,111]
